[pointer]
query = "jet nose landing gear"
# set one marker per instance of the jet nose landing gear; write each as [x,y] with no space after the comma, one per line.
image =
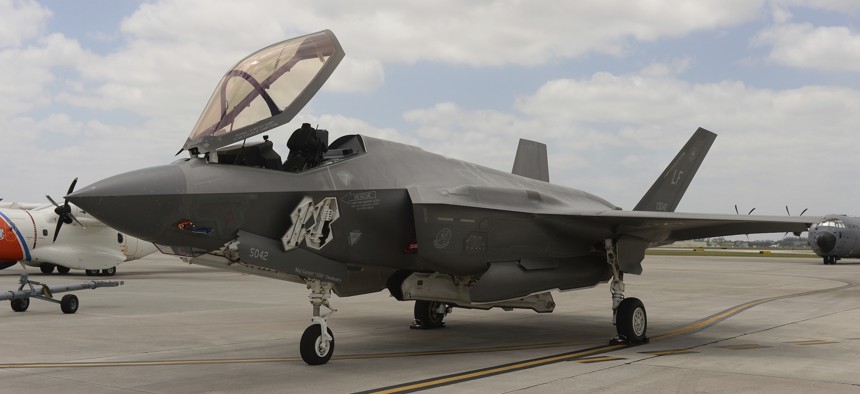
[317,344]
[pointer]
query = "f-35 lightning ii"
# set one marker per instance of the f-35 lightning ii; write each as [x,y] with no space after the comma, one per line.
[362,214]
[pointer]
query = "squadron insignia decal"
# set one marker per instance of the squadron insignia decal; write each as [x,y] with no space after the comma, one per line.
[318,234]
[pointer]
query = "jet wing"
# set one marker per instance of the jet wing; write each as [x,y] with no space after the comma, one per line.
[664,227]
[635,231]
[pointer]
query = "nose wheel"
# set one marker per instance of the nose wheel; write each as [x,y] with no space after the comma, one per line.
[317,343]
[314,347]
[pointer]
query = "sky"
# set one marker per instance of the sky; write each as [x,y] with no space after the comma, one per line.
[91,89]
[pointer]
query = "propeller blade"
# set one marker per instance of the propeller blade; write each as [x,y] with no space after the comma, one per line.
[76,221]
[787,212]
[72,186]
[804,211]
[57,229]
[52,201]
[751,211]
[736,209]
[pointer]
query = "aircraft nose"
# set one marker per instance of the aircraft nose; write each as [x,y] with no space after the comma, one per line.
[141,203]
[826,242]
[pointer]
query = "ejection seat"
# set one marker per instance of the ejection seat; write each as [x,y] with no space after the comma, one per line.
[307,146]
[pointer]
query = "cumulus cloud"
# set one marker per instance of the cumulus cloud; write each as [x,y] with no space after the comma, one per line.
[830,48]
[26,72]
[22,20]
[174,49]
[614,133]
[825,5]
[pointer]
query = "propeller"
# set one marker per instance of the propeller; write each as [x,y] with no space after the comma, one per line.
[64,211]
[748,213]
[789,214]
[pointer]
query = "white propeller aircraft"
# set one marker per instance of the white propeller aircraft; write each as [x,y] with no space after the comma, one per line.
[30,234]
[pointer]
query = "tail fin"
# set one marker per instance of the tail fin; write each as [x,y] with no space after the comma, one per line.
[531,161]
[667,191]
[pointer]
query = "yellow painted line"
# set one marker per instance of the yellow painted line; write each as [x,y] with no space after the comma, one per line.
[598,359]
[711,320]
[744,346]
[500,369]
[814,342]
[290,359]
[148,363]
[669,352]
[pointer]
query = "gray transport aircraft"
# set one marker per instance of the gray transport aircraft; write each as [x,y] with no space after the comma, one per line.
[835,237]
[361,214]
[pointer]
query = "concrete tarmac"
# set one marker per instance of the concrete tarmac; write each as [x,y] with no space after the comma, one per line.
[718,324]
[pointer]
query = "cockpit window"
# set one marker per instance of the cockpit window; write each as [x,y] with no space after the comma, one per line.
[265,90]
[832,223]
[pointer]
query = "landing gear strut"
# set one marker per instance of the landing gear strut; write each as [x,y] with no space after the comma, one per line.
[317,344]
[628,314]
[830,259]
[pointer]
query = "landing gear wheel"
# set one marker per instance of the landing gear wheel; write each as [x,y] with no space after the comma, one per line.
[631,321]
[46,268]
[20,304]
[69,303]
[315,349]
[92,272]
[63,270]
[109,272]
[427,315]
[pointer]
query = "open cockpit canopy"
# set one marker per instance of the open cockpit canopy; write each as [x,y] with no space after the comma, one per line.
[265,90]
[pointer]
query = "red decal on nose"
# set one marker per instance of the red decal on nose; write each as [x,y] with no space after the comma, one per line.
[10,247]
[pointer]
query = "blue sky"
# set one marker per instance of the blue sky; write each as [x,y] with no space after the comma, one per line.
[91,89]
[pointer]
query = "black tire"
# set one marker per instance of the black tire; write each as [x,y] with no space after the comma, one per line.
[63,270]
[311,353]
[109,272]
[631,321]
[46,268]
[69,303]
[425,313]
[92,272]
[20,304]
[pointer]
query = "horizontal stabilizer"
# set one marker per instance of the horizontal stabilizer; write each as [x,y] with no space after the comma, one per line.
[667,191]
[531,161]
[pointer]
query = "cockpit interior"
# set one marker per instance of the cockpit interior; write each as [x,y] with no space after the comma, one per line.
[308,149]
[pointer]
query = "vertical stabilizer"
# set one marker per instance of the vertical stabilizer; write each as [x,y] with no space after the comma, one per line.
[531,161]
[667,191]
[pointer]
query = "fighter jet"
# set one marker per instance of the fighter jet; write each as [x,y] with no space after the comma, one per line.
[835,237]
[30,235]
[362,214]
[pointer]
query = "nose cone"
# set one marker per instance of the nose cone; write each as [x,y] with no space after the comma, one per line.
[140,203]
[825,242]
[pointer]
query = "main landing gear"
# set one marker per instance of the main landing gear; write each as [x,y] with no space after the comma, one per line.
[105,272]
[48,268]
[628,314]
[830,259]
[317,344]
[429,314]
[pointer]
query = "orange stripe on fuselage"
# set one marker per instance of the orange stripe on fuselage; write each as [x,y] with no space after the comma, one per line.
[10,245]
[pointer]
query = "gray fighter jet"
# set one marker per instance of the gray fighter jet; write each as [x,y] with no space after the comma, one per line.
[361,214]
[835,237]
